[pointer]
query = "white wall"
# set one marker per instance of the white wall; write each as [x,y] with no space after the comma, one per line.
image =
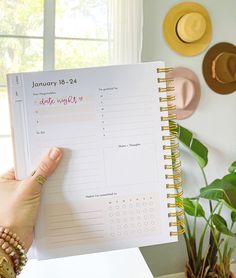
[214,122]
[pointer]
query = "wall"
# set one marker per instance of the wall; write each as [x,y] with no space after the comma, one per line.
[214,122]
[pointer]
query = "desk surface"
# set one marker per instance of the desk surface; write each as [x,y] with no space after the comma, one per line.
[126,263]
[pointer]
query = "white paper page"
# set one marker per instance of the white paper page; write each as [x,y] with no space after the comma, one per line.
[109,191]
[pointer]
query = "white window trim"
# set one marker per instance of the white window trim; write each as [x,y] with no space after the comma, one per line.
[49,39]
[49,35]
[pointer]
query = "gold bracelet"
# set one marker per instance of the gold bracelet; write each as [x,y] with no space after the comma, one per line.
[12,246]
[6,269]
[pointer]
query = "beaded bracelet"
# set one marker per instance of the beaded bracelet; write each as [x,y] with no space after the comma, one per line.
[6,268]
[14,248]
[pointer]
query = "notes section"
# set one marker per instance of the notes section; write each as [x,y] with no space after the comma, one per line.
[125,165]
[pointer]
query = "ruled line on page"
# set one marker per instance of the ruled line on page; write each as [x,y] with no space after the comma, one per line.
[128,109]
[105,97]
[124,103]
[71,138]
[54,185]
[128,129]
[75,240]
[76,219]
[125,116]
[76,226]
[72,213]
[127,123]
[80,232]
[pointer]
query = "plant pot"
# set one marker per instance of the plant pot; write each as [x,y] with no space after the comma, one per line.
[216,273]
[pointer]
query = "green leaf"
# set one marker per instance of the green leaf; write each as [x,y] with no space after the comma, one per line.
[223,190]
[233,216]
[179,201]
[193,208]
[232,167]
[221,225]
[184,135]
[196,148]
[230,178]
[200,152]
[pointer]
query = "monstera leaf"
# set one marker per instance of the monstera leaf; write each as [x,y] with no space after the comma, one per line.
[193,208]
[196,148]
[223,190]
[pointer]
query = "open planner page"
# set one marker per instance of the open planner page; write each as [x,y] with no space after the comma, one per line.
[109,191]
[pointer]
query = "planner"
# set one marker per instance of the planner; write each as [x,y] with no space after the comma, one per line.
[119,182]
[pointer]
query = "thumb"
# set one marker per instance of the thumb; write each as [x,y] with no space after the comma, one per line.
[46,167]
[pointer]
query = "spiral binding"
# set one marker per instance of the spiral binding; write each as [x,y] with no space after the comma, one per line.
[173,147]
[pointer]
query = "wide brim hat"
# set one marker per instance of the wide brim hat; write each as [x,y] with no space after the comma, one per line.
[209,62]
[187,91]
[194,18]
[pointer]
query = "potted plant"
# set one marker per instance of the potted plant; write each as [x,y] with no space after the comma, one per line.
[214,260]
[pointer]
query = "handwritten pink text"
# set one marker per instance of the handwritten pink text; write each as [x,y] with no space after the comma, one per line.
[48,101]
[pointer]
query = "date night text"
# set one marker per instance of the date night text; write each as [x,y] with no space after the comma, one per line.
[48,101]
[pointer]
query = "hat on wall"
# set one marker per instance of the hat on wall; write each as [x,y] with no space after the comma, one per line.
[187,28]
[219,68]
[187,91]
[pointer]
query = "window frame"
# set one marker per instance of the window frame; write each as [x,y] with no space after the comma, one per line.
[49,39]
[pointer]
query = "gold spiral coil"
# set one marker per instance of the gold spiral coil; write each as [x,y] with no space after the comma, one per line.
[177,223]
[172,153]
[172,146]
[179,232]
[174,156]
[175,195]
[177,185]
[167,108]
[174,205]
[161,80]
[177,213]
[172,126]
[167,98]
[168,118]
[166,89]
[168,137]
[174,166]
[176,176]
[164,70]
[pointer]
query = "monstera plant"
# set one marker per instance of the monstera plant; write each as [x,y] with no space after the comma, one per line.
[210,252]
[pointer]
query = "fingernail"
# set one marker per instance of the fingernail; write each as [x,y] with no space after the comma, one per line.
[54,153]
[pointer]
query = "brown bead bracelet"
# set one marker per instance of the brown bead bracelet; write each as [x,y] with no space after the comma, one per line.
[14,248]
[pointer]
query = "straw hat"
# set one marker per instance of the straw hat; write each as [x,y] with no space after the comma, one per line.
[187,28]
[187,91]
[219,68]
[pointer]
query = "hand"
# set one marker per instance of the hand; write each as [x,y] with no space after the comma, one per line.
[19,200]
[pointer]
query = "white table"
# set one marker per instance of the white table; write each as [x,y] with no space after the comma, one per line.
[127,263]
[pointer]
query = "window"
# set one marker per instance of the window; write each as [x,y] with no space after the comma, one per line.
[46,35]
